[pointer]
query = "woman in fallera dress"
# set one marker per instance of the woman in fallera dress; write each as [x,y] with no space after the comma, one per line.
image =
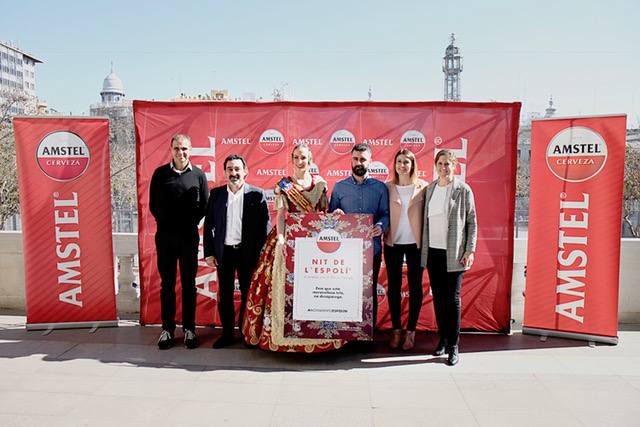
[264,321]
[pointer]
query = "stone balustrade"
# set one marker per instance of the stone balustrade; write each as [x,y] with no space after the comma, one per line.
[125,246]
[12,295]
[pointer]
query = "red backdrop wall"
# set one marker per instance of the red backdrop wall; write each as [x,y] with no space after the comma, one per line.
[484,136]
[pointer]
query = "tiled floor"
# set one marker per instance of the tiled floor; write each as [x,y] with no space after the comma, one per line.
[117,377]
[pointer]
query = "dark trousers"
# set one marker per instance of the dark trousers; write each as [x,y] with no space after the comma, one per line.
[393,259]
[173,248]
[377,260]
[231,263]
[445,287]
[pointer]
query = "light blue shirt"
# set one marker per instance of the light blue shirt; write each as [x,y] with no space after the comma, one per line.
[369,197]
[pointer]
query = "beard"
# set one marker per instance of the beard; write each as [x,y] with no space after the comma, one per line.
[359,170]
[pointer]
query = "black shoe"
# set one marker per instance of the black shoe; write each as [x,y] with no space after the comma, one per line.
[190,339]
[165,341]
[453,356]
[442,345]
[223,341]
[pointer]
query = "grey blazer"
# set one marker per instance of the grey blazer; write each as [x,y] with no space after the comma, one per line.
[463,229]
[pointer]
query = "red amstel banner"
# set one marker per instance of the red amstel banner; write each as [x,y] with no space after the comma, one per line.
[483,136]
[573,258]
[65,204]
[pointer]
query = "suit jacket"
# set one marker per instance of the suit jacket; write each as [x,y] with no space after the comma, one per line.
[255,223]
[463,230]
[415,212]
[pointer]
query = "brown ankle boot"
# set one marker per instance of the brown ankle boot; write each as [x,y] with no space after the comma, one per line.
[409,340]
[396,337]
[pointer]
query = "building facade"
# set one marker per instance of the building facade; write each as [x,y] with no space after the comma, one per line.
[17,73]
[213,95]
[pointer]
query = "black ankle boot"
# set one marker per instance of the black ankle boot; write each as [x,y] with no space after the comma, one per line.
[453,356]
[442,345]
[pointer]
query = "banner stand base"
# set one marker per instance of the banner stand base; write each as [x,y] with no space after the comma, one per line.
[72,325]
[570,335]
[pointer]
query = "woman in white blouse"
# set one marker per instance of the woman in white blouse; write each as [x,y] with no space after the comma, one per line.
[402,242]
[448,247]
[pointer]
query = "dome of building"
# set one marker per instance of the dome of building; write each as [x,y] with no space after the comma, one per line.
[112,89]
[113,84]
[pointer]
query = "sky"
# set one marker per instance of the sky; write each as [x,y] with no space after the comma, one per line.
[583,53]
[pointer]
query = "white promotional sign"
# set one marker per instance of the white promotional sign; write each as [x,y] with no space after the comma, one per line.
[328,278]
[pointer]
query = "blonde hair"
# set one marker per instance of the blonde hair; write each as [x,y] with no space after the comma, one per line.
[304,146]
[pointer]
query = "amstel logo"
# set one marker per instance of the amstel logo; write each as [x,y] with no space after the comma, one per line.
[576,154]
[63,156]
[413,140]
[314,169]
[379,171]
[328,240]
[271,199]
[271,141]
[342,141]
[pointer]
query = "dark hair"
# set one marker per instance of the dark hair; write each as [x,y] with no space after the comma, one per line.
[450,154]
[180,137]
[231,157]
[413,174]
[361,147]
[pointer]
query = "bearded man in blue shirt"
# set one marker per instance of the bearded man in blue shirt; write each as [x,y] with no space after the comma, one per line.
[361,194]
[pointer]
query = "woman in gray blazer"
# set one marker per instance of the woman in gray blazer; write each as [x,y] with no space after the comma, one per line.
[449,237]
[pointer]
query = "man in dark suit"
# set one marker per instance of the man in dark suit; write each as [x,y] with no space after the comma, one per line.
[235,229]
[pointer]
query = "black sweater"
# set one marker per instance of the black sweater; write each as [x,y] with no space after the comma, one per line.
[178,201]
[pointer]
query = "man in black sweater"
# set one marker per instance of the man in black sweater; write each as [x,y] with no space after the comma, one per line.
[178,199]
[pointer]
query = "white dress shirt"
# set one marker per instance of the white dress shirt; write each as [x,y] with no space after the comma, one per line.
[235,204]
